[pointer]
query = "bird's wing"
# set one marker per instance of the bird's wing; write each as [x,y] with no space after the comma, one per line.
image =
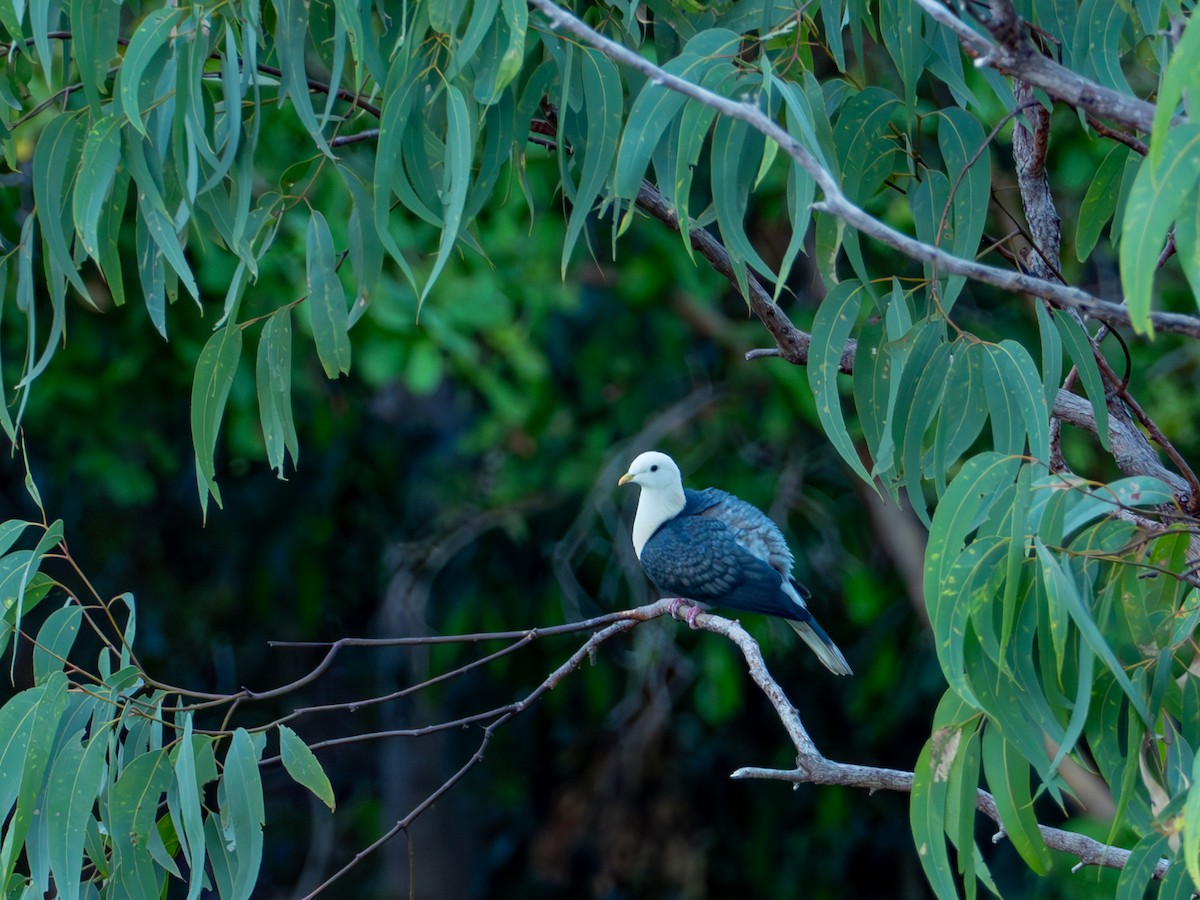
[751,527]
[700,558]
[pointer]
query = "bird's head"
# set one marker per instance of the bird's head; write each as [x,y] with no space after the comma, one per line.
[653,471]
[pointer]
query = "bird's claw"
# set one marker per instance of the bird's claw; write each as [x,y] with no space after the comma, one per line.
[690,610]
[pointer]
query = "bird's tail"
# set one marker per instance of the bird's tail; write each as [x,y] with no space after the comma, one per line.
[822,645]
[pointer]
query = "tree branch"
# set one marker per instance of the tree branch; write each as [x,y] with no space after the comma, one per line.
[1012,54]
[813,768]
[838,204]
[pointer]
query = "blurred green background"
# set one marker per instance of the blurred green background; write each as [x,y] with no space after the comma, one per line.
[463,479]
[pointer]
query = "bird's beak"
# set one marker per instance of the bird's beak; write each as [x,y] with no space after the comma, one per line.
[625,479]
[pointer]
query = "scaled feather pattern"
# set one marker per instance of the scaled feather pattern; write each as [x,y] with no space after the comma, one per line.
[715,549]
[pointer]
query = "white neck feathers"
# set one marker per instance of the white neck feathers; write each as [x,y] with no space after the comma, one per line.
[655,506]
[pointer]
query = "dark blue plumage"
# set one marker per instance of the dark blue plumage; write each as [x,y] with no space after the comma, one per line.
[714,549]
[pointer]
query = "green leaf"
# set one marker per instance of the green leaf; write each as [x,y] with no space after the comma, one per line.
[931,779]
[1100,201]
[1158,193]
[1008,777]
[504,52]
[190,798]
[965,503]
[151,36]
[97,171]
[655,107]
[603,106]
[1060,584]
[900,27]
[961,137]
[242,813]
[54,160]
[872,385]
[1177,883]
[1191,826]
[862,142]
[273,379]
[925,403]
[54,641]
[215,369]
[1016,369]
[292,31]
[832,326]
[1079,347]
[50,702]
[158,222]
[1187,243]
[132,809]
[326,298]
[1182,73]
[1122,494]
[1138,873]
[75,781]
[461,126]
[736,152]
[95,25]
[964,409]
[1097,43]
[695,123]
[400,93]
[301,763]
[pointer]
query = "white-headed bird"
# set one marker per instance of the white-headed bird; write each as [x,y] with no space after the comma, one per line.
[713,549]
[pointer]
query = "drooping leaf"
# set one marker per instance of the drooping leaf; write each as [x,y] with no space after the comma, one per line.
[34,725]
[273,379]
[55,639]
[213,380]
[1182,73]
[242,814]
[97,171]
[602,90]
[1100,201]
[291,38]
[75,780]
[1154,202]
[133,805]
[326,298]
[832,326]
[1060,583]
[968,498]
[655,106]
[95,25]
[1008,777]
[461,126]
[148,39]
[302,764]
[55,158]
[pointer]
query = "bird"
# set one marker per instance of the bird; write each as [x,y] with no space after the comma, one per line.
[710,548]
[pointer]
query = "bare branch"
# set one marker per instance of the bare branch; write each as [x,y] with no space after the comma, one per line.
[1029,154]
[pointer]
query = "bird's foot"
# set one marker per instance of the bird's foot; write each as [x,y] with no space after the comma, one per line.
[690,610]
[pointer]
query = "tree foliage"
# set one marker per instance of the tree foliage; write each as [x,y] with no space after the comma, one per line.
[953,341]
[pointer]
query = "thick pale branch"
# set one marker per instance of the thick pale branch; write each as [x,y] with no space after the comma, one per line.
[813,768]
[1088,851]
[836,202]
[1012,54]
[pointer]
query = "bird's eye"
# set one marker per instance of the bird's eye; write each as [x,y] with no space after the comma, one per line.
[654,468]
